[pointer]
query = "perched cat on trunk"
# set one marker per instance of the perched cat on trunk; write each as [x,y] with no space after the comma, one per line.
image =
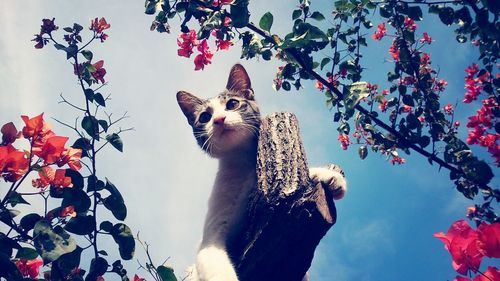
[227,127]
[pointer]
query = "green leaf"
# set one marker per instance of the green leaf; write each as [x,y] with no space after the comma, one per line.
[63,266]
[71,51]
[324,62]
[385,12]
[115,141]
[363,152]
[98,266]
[91,126]
[240,15]
[87,54]
[116,206]
[357,91]
[123,237]
[29,221]
[286,86]
[267,54]
[415,13]
[50,242]
[104,125]
[16,198]
[446,15]
[26,253]
[77,198]
[296,14]
[81,225]
[166,273]
[150,8]
[9,270]
[106,226]
[266,21]
[100,99]
[317,16]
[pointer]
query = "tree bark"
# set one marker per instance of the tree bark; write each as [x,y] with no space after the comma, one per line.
[287,214]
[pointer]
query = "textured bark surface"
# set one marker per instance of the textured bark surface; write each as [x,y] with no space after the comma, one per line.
[287,215]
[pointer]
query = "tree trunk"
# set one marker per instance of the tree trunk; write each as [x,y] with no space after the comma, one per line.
[287,214]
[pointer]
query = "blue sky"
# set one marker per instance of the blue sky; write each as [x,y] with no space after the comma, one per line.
[387,219]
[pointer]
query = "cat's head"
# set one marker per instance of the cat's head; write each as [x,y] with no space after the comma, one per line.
[228,122]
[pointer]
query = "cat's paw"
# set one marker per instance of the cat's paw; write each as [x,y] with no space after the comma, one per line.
[213,264]
[331,178]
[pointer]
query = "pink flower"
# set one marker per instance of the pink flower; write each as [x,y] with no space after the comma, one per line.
[410,24]
[426,38]
[223,44]
[186,42]
[448,109]
[344,141]
[48,26]
[99,25]
[489,239]
[397,160]
[460,241]
[383,105]
[425,59]
[394,51]
[99,72]
[205,56]
[29,268]
[440,85]
[380,32]
[407,108]
[319,85]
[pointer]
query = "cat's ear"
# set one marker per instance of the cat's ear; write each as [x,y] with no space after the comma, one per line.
[239,82]
[188,104]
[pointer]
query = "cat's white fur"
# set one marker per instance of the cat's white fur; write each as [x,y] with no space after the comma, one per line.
[235,147]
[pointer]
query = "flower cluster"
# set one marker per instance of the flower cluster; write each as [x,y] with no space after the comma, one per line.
[98,26]
[468,247]
[188,40]
[46,145]
[344,141]
[46,28]
[380,32]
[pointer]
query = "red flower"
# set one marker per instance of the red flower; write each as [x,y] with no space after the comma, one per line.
[29,268]
[440,85]
[222,2]
[407,108]
[205,56]
[425,59]
[397,160]
[187,43]
[380,32]
[71,156]
[9,133]
[68,211]
[448,109]
[489,239]
[344,141]
[223,44]
[410,24]
[383,105]
[99,72]
[40,41]
[426,38]
[48,176]
[460,241]
[385,92]
[319,85]
[137,278]
[99,25]
[35,126]
[13,163]
[51,150]
[394,51]
[472,70]
[492,273]
[475,134]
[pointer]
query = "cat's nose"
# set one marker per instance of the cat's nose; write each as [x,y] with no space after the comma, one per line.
[219,120]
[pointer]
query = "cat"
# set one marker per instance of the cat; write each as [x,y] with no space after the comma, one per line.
[226,127]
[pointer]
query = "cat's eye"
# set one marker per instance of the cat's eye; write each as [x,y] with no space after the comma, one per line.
[204,117]
[232,104]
